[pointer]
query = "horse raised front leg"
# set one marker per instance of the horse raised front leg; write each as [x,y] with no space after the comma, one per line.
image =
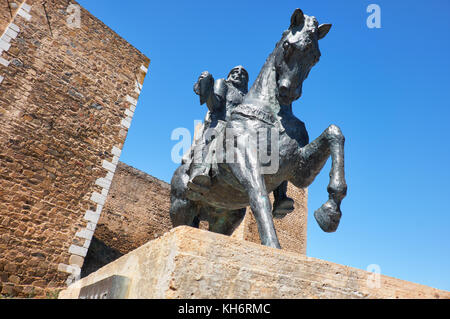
[247,170]
[313,157]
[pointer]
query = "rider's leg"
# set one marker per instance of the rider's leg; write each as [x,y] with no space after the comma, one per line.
[200,179]
[282,204]
[199,173]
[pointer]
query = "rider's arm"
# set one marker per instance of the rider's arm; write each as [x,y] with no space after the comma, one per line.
[217,101]
[211,92]
[204,86]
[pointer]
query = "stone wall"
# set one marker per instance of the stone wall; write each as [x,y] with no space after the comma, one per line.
[67,97]
[137,211]
[7,12]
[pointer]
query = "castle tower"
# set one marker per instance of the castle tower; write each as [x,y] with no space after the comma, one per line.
[69,87]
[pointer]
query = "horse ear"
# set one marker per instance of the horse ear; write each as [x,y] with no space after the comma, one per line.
[297,18]
[323,30]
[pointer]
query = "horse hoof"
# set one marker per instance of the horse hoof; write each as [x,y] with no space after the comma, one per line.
[272,244]
[328,216]
[282,208]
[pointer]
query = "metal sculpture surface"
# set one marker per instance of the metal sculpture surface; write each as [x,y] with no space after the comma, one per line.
[235,165]
[221,97]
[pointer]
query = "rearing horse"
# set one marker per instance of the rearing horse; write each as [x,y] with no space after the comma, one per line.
[268,106]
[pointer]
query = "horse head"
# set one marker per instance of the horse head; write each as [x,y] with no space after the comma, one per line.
[295,55]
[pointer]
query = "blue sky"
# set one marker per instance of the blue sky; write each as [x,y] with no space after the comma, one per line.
[387,89]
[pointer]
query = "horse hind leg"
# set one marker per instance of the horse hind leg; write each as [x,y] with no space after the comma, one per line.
[183,212]
[226,222]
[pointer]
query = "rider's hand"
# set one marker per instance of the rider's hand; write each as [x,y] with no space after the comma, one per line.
[204,83]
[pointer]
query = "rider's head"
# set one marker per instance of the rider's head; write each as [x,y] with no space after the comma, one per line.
[238,76]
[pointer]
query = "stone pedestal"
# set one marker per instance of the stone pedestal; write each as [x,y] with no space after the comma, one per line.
[193,263]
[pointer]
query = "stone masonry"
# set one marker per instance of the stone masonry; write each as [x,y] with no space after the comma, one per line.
[67,98]
[136,210]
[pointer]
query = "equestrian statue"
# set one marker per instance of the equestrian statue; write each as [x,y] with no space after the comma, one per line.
[251,144]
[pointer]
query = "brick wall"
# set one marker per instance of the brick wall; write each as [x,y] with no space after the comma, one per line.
[67,98]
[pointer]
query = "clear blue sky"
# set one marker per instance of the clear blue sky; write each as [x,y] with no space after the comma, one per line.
[388,90]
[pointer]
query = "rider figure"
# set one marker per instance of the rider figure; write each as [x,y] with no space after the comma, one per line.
[221,97]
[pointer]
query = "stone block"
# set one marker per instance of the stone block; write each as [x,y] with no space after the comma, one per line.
[4,45]
[104,194]
[6,38]
[85,233]
[103,182]
[76,260]
[26,7]
[92,216]
[14,279]
[126,122]
[99,209]
[144,69]
[77,250]
[115,160]
[109,166]
[116,151]
[87,244]
[91,226]
[109,176]
[72,269]
[192,263]
[131,100]
[98,198]
[14,27]
[24,14]
[11,33]
[129,113]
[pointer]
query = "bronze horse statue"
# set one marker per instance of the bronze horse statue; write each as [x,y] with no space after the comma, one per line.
[245,180]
